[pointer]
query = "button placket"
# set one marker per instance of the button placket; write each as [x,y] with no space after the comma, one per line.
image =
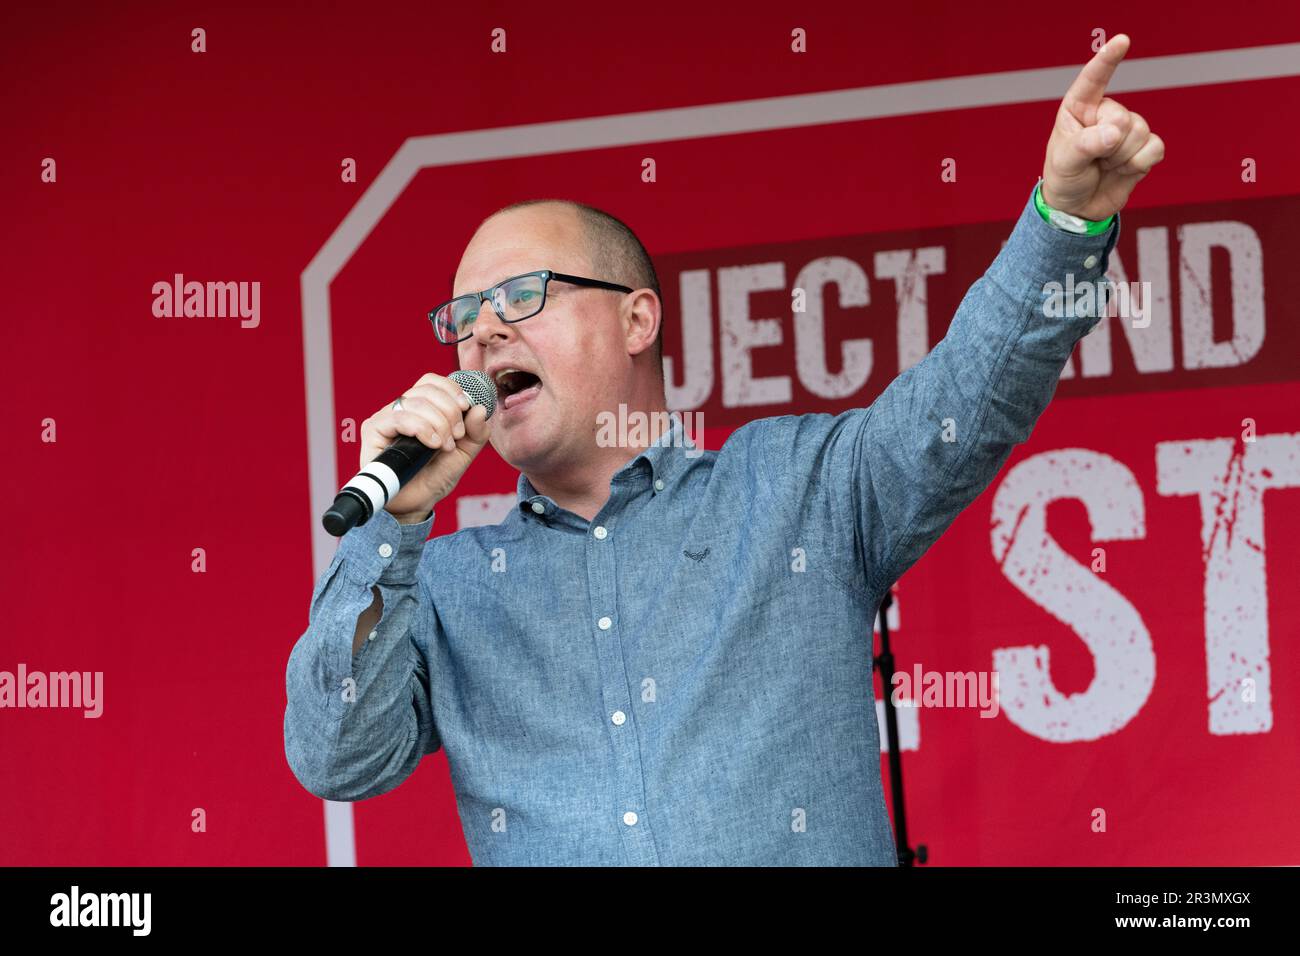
[601,558]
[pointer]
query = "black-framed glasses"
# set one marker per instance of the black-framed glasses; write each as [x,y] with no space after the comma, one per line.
[514,299]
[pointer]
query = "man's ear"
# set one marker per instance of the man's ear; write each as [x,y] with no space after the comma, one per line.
[641,319]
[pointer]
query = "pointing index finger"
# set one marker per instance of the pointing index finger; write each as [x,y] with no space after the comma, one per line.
[1089,87]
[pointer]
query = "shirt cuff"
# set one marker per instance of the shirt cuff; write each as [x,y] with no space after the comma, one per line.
[383,550]
[1090,228]
[1038,253]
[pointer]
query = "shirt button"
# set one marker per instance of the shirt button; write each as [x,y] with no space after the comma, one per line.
[372,635]
[659,484]
[385,550]
[618,717]
[1089,262]
[600,532]
[630,818]
[538,507]
[604,623]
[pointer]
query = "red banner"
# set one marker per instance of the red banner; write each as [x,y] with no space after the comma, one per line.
[823,325]
[1128,575]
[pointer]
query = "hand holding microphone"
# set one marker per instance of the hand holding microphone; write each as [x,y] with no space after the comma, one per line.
[414,451]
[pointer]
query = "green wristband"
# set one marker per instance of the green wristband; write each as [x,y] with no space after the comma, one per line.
[1065,221]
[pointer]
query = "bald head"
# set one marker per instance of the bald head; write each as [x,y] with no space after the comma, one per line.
[609,247]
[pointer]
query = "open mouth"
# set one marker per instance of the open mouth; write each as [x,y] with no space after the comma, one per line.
[515,386]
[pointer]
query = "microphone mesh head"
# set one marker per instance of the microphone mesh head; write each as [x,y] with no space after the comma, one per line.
[477,387]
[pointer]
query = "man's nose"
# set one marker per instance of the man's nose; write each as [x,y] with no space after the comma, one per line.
[488,325]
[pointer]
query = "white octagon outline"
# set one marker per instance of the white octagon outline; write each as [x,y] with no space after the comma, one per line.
[658,126]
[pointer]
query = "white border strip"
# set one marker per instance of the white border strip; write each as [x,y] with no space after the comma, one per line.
[658,126]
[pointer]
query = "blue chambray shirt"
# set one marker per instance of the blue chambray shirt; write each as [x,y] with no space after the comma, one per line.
[687,678]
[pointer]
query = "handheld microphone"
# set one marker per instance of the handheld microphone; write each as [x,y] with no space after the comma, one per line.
[376,483]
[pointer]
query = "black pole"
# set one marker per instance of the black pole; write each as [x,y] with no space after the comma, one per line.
[885,661]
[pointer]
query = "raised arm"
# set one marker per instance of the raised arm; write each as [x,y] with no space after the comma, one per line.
[890,478]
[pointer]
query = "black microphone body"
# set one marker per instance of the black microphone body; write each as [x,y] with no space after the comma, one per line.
[376,484]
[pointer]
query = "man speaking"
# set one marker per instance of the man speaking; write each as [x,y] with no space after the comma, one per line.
[631,668]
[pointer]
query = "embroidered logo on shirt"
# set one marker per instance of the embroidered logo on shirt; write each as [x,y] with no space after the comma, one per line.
[697,555]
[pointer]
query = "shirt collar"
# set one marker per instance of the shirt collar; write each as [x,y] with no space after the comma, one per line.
[661,459]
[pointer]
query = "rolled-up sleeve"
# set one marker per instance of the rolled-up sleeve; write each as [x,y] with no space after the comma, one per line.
[357,725]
